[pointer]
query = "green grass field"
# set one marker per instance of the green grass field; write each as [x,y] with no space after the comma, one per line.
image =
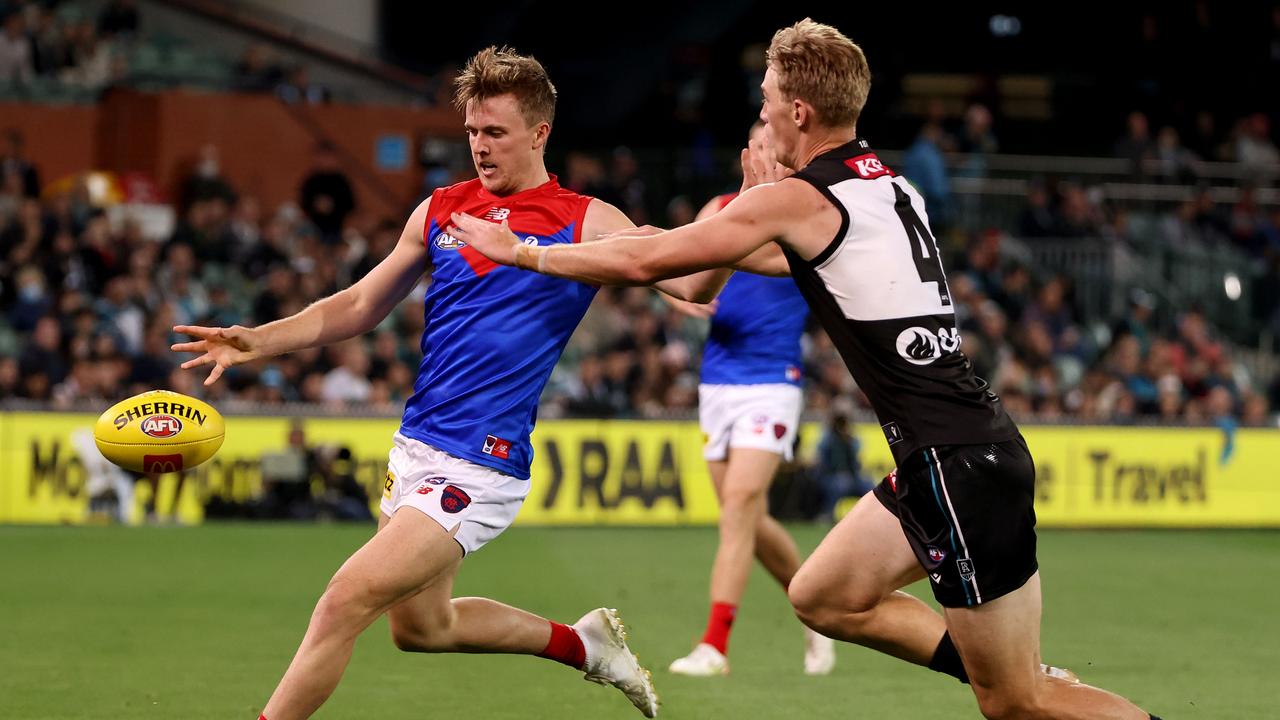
[200,622]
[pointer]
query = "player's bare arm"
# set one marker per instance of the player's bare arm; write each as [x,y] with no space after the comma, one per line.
[345,314]
[790,212]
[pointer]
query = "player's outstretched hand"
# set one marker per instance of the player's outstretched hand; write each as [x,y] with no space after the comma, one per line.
[760,165]
[492,240]
[220,347]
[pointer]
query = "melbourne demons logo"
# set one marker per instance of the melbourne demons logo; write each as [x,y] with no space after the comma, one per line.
[454,499]
[161,426]
[497,447]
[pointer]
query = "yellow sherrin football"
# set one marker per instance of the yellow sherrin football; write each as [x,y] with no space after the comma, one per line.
[159,431]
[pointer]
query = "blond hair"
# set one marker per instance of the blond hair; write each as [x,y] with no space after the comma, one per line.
[818,64]
[498,71]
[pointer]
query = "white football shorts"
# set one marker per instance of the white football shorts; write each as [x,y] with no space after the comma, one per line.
[478,501]
[762,417]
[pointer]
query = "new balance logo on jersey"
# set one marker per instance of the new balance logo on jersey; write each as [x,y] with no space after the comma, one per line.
[868,167]
[497,214]
[920,346]
[445,241]
[496,447]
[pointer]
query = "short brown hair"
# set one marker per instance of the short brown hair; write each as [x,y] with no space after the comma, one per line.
[497,71]
[818,64]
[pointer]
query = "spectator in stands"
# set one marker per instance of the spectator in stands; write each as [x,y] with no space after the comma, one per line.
[348,382]
[257,70]
[15,52]
[326,195]
[44,353]
[205,180]
[628,187]
[976,142]
[298,89]
[13,163]
[1255,151]
[10,376]
[926,167]
[342,497]
[1037,219]
[838,470]
[1077,218]
[119,17]
[1136,146]
[1173,163]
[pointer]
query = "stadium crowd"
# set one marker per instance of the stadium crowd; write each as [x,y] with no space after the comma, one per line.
[88,308]
[87,301]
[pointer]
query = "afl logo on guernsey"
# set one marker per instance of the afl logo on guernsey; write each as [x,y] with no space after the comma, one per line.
[445,241]
[161,426]
[920,346]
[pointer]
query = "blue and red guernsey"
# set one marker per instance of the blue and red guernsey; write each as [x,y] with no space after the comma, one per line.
[755,333]
[493,333]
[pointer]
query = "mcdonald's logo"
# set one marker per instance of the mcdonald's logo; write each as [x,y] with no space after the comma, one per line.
[162,463]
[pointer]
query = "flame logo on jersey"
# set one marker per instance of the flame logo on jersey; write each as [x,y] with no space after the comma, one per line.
[921,346]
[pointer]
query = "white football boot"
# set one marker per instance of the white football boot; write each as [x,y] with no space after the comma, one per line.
[611,662]
[819,653]
[704,661]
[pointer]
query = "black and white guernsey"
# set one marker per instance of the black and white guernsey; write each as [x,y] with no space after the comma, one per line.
[880,292]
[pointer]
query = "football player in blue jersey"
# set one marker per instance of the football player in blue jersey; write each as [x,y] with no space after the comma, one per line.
[459,468]
[749,405]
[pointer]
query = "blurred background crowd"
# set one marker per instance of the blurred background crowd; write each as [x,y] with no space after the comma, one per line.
[1137,280]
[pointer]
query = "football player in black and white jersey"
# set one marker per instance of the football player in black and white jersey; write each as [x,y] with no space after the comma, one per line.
[856,239]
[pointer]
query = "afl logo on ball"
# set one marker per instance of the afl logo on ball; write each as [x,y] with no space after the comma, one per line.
[161,426]
[454,499]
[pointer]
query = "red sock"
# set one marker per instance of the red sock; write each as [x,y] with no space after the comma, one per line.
[565,647]
[718,625]
[262,717]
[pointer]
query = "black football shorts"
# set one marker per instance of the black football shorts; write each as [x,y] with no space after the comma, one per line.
[967,511]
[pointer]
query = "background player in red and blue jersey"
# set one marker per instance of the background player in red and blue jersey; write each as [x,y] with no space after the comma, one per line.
[749,406]
[459,469]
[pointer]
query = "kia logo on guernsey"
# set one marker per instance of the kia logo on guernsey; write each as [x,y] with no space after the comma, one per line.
[868,167]
[161,426]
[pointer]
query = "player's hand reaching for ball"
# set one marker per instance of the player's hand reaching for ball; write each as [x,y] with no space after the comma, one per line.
[220,347]
[492,240]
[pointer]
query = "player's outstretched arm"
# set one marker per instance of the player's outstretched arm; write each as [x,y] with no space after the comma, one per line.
[350,312]
[765,213]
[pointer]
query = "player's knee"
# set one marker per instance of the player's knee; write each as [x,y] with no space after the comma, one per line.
[808,600]
[343,603]
[735,498]
[1004,705]
[426,632]
[827,609]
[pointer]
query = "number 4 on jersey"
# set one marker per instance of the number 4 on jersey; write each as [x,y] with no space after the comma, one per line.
[924,249]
